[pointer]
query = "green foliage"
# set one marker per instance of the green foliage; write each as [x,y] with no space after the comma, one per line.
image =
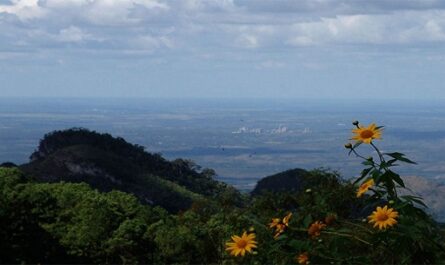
[107,163]
[321,216]
[71,222]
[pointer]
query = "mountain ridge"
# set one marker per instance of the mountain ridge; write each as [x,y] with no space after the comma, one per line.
[106,163]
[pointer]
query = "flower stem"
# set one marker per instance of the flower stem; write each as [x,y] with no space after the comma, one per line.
[347,235]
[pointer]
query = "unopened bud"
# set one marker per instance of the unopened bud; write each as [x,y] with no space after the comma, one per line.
[364,220]
[348,146]
[251,229]
[330,219]
[391,202]
[254,253]
[355,123]
[308,190]
[320,240]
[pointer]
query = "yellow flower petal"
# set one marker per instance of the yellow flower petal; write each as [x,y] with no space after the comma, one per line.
[383,217]
[241,244]
[366,134]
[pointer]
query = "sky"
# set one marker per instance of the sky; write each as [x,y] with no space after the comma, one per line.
[334,49]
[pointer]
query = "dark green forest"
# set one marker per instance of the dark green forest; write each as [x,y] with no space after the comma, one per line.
[87,197]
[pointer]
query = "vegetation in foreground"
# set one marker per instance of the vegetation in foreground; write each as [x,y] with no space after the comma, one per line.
[322,222]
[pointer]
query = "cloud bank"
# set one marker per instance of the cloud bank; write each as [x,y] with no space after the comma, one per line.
[229,45]
[148,25]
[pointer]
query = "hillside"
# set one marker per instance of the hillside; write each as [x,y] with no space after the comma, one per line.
[107,163]
[87,197]
[296,180]
[432,191]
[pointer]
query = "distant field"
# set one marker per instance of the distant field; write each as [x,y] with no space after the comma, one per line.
[242,140]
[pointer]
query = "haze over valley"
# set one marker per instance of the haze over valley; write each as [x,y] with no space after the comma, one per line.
[243,140]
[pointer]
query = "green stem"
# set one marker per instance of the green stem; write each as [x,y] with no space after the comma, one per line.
[359,226]
[347,235]
[393,192]
[382,159]
[362,157]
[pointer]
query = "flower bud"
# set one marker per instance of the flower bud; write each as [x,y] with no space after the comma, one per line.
[308,190]
[330,219]
[355,123]
[370,158]
[252,229]
[348,146]
[254,253]
[391,202]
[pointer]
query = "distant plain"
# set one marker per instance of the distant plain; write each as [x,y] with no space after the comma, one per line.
[243,140]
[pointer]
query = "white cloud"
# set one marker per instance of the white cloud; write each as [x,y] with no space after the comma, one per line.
[247,41]
[72,34]
[409,27]
[106,12]
[24,9]
[150,43]
[208,25]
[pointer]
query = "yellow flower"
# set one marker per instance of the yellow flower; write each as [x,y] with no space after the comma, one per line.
[279,230]
[280,225]
[241,245]
[303,258]
[286,219]
[315,229]
[366,135]
[365,187]
[383,217]
[274,223]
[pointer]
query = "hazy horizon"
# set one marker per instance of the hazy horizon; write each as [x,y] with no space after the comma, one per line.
[243,140]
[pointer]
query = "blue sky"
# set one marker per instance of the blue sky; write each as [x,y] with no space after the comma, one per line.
[223,48]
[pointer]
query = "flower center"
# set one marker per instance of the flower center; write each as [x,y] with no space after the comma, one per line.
[366,134]
[242,243]
[382,217]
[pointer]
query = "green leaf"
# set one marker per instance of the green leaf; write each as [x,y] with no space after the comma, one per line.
[376,175]
[416,199]
[400,157]
[307,221]
[396,177]
[389,176]
[391,162]
[367,163]
[363,174]
[298,245]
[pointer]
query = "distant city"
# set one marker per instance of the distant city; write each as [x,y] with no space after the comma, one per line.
[243,140]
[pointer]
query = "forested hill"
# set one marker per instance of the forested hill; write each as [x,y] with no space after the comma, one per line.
[110,214]
[106,163]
